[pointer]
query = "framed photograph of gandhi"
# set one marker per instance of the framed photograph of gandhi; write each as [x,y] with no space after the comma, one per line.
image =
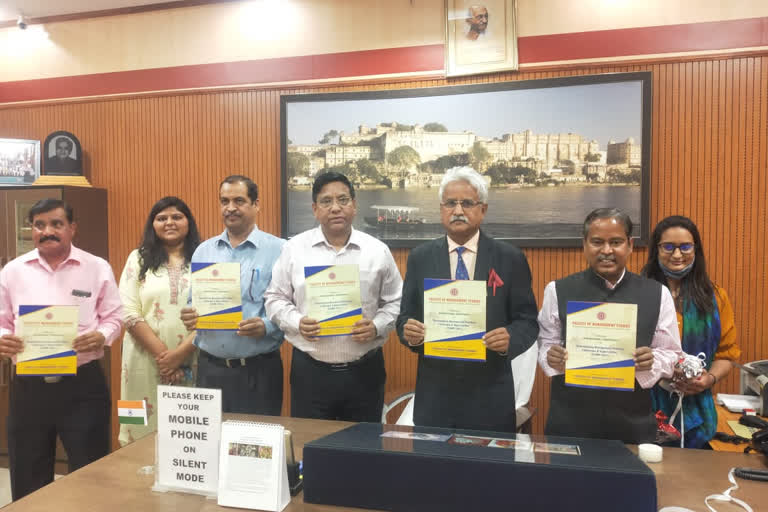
[547,150]
[19,161]
[480,36]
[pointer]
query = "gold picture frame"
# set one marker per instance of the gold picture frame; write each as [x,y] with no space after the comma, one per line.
[480,36]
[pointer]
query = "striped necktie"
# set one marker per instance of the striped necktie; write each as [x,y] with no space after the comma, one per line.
[461,268]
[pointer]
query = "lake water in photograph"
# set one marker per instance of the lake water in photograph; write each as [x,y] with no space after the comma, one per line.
[541,212]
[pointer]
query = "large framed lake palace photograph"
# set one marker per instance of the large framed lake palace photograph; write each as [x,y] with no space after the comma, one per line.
[550,150]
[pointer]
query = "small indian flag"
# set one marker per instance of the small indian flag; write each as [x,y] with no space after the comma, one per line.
[132,412]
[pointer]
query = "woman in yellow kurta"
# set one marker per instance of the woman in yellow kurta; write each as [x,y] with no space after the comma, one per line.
[706,323]
[154,286]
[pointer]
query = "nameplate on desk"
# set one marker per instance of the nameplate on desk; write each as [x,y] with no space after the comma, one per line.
[188,430]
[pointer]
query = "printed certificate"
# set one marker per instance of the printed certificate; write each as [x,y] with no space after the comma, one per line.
[216,296]
[601,337]
[454,319]
[48,333]
[333,298]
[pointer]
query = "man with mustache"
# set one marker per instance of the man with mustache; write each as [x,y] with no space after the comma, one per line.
[74,407]
[245,364]
[462,393]
[336,377]
[604,413]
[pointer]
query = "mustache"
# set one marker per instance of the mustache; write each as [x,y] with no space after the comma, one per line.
[606,258]
[459,218]
[49,237]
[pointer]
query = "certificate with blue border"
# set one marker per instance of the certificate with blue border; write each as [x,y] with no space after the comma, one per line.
[216,296]
[333,298]
[47,333]
[600,339]
[454,319]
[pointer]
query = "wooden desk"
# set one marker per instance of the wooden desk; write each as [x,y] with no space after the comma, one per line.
[113,484]
[723,417]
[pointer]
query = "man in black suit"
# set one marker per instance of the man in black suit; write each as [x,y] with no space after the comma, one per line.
[462,393]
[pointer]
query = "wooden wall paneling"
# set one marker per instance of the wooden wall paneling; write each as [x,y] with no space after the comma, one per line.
[697,119]
[686,181]
[708,159]
[762,248]
[746,177]
[738,177]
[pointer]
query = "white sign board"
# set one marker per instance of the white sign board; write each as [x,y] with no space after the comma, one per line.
[188,428]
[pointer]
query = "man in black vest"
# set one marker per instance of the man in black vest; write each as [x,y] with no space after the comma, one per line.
[460,393]
[603,413]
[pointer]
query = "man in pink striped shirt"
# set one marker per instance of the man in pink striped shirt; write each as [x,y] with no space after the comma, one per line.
[74,407]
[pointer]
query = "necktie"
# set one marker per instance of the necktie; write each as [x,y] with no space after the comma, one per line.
[461,268]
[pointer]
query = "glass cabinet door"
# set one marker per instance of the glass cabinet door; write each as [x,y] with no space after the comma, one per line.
[22,227]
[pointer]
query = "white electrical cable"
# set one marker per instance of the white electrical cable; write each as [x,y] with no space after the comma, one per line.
[724,497]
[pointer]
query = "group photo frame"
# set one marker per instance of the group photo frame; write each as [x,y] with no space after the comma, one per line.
[547,155]
[19,161]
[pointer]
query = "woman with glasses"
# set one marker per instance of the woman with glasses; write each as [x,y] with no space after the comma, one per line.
[157,349]
[705,319]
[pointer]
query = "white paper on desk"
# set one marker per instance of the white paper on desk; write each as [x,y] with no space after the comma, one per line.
[252,466]
[737,403]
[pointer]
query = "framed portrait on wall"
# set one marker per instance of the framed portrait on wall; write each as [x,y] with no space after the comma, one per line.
[19,161]
[480,37]
[63,155]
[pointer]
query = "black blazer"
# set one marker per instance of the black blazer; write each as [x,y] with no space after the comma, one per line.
[513,307]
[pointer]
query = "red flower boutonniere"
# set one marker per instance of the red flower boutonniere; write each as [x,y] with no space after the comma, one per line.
[494,280]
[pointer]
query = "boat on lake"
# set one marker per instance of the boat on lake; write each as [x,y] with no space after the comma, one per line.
[395,217]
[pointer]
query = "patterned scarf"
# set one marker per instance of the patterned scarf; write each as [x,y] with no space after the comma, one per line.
[701,333]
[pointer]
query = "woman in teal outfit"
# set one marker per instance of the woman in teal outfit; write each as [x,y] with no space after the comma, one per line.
[706,321]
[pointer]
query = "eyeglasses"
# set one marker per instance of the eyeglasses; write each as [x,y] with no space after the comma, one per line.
[669,248]
[327,202]
[466,204]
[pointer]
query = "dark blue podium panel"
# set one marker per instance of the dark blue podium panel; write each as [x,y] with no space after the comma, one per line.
[431,469]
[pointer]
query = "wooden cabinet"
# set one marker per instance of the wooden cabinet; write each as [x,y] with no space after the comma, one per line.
[90,213]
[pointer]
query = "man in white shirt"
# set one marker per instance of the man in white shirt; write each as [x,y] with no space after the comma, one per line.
[605,413]
[336,377]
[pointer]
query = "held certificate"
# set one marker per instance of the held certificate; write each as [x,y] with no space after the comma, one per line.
[454,319]
[601,337]
[333,298]
[48,333]
[216,296]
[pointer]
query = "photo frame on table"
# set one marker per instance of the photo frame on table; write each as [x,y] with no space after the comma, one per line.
[19,161]
[480,36]
[551,151]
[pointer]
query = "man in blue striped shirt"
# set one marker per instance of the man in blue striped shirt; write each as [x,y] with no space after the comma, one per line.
[245,364]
